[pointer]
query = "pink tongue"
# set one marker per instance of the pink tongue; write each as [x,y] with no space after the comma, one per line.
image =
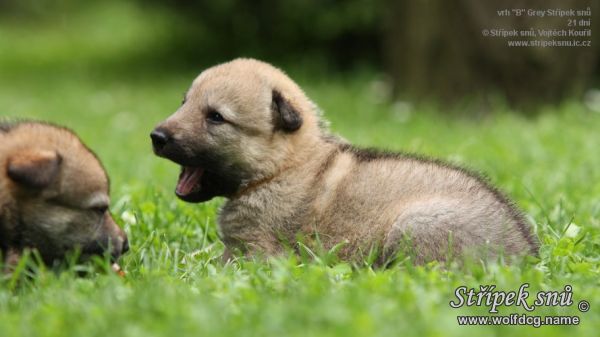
[189,180]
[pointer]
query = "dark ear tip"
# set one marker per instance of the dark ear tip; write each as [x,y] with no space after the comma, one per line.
[294,123]
[286,117]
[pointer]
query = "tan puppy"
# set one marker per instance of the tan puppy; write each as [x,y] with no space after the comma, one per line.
[53,195]
[247,132]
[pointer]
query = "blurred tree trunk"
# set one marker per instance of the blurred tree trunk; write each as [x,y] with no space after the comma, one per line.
[436,49]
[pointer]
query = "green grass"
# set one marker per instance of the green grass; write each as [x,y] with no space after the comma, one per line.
[176,284]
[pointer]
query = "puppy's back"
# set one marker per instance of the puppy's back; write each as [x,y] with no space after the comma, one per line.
[387,196]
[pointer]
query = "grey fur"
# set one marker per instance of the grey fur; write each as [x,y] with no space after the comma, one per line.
[312,184]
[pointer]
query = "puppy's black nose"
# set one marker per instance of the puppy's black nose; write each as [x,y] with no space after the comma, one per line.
[125,248]
[160,138]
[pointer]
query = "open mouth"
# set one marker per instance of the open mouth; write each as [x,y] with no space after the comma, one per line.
[189,182]
[202,183]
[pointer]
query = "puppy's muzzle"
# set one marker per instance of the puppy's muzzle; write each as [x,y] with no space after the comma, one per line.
[112,240]
[114,246]
[160,139]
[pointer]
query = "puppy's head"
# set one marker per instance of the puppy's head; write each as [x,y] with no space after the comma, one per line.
[240,122]
[60,193]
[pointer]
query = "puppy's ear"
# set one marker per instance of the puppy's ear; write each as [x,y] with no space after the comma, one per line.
[34,168]
[285,116]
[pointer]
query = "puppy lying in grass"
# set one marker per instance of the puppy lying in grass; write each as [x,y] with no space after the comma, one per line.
[247,132]
[54,195]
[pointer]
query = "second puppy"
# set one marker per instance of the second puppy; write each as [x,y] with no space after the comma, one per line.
[54,195]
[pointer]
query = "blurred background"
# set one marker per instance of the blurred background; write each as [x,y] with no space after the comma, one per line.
[424,50]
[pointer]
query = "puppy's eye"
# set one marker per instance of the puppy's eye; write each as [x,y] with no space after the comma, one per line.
[100,209]
[215,117]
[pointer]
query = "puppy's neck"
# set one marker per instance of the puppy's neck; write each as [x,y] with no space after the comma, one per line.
[256,184]
[311,153]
